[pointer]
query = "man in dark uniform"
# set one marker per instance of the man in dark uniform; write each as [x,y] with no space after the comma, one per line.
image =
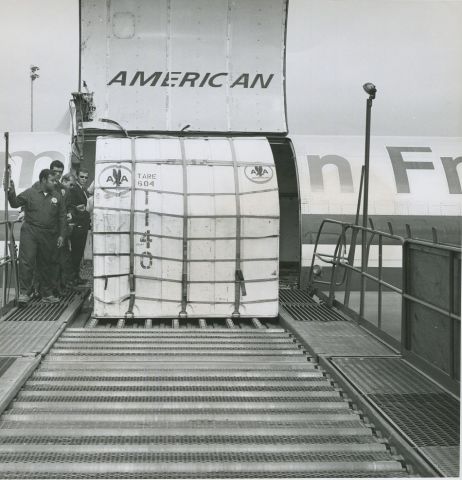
[63,269]
[81,216]
[42,231]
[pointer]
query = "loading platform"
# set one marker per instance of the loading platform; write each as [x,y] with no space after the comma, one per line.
[419,416]
[215,399]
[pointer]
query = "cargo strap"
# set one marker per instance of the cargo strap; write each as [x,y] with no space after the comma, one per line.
[241,280]
[131,275]
[107,277]
[177,215]
[173,259]
[238,275]
[163,299]
[184,274]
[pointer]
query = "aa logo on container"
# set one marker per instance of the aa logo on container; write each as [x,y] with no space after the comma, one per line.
[115,180]
[259,173]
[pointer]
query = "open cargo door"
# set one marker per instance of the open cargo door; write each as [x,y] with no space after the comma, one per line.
[185,227]
[214,65]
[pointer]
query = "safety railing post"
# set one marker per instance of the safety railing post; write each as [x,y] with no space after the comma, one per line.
[379,293]
[351,260]
[451,320]
[14,261]
[362,291]
[5,249]
[404,316]
[335,262]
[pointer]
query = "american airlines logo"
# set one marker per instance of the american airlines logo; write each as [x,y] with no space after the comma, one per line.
[259,173]
[191,79]
[115,180]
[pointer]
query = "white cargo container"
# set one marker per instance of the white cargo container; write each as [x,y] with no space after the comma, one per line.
[185,227]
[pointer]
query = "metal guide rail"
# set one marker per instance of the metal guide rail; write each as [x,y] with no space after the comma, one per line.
[186,403]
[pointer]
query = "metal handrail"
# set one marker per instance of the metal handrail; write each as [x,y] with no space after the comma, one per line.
[337,247]
[337,260]
[5,261]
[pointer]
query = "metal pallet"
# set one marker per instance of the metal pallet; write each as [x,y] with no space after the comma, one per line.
[182,403]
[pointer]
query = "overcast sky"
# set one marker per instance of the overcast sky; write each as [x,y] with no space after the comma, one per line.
[43,33]
[412,49]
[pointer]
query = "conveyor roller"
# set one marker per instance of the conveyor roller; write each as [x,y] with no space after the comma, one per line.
[183,403]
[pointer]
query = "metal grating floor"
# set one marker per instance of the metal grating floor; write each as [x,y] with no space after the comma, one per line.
[5,363]
[385,376]
[295,296]
[36,310]
[446,458]
[194,440]
[430,419]
[115,414]
[19,338]
[338,339]
[303,307]
[428,415]
[193,475]
[27,330]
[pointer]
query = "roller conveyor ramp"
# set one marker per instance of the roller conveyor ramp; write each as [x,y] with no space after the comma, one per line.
[206,402]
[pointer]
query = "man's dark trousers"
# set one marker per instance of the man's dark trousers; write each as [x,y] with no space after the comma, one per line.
[78,241]
[65,270]
[37,250]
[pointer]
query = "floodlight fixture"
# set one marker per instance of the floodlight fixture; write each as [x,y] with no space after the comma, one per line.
[370,89]
[33,76]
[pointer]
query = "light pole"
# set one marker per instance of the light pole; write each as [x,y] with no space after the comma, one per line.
[371,90]
[33,76]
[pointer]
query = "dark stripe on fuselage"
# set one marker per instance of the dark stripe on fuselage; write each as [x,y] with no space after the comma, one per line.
[448,227]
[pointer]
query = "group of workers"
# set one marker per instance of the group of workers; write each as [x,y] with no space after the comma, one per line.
[53,234]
